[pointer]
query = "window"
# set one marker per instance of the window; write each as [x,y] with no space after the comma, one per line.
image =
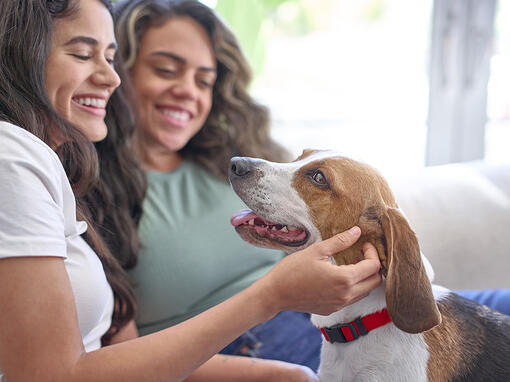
[396,83]
[497,137]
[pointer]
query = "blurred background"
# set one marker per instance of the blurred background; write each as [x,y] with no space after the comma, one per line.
[400,84]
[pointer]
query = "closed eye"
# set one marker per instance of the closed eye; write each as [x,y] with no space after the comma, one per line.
[206,84]
[165,72]
[81,57]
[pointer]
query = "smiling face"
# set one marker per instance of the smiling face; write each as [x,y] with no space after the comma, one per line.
[173,77]
[79,72]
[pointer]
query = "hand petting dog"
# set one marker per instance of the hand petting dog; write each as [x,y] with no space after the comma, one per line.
[327,284]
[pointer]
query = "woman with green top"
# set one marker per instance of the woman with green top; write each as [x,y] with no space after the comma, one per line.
[190,79]
[195,113]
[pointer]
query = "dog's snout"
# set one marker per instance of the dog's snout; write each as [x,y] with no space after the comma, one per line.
[240,167]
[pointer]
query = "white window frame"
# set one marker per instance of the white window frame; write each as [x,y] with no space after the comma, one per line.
[462,34]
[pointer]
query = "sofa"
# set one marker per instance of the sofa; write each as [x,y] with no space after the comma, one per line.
[461,215]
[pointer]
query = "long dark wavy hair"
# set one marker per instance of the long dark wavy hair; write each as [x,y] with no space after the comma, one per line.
[236,125]
[118,195]
[26,30]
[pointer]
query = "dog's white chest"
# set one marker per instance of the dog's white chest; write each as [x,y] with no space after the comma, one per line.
[385,354]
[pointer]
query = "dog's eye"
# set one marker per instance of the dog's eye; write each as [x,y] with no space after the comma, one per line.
[319,178]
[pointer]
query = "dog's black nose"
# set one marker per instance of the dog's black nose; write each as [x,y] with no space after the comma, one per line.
[240,166]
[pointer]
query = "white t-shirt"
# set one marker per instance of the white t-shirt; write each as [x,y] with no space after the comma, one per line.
[38,218]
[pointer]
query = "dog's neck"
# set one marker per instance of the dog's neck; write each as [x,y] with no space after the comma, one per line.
[374,302]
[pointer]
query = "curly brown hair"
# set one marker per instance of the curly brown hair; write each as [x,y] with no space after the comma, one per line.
[236,125]
[25,103]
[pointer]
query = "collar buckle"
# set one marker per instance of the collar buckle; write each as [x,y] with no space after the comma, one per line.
[361,326]
[344,332]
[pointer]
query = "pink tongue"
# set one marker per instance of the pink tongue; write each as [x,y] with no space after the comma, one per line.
[242,216]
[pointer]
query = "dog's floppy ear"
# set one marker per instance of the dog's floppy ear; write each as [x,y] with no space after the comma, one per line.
[409,297]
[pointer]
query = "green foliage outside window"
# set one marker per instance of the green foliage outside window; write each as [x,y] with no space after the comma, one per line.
[250,20]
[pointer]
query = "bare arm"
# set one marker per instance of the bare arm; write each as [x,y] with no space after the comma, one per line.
[40,339]
[228,368]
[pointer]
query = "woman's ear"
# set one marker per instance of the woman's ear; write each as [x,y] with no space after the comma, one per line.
[409,297]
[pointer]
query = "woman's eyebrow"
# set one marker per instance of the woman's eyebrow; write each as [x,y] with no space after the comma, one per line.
[182,60]
[89,41]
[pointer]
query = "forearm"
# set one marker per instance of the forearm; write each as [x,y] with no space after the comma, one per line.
[229,368]
[173,354]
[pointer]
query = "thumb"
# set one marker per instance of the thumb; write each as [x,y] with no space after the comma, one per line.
[339,242]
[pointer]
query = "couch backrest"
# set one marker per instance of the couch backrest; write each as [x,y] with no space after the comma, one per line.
[461,215]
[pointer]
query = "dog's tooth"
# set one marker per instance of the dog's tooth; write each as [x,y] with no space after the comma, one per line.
[292,228]
[251,222]
[284,229]
[273,228]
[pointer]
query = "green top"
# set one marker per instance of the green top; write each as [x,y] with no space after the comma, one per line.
[191,257]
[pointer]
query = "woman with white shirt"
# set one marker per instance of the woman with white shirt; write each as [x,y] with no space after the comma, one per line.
[61,291]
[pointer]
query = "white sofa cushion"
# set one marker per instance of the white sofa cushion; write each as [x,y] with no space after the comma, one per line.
[461,215]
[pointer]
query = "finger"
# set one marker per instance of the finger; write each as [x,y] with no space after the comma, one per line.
[367,267]
[340,241]
[363,288]
[370,252]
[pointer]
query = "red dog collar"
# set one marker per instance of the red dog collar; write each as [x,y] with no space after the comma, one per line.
[354,329]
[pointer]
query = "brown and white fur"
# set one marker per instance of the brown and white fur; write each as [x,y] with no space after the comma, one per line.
[434,335]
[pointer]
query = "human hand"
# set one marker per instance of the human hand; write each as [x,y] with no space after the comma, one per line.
[307,281]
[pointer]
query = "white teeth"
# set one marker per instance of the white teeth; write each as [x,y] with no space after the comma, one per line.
[284,229]
[88,101]
[179,115]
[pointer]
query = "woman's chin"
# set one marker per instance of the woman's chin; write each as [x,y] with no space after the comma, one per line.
[95,131]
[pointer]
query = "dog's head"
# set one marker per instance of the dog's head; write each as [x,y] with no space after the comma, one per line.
[320,194]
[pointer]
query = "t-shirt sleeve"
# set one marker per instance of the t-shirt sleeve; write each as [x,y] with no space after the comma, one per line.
[31,201]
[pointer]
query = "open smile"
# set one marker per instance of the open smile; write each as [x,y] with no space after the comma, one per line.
[174,116]
[94,106]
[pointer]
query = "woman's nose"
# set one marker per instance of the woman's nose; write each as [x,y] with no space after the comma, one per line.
[185,87]
[106,76]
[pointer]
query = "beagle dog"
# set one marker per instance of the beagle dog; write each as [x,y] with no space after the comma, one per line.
[406,329]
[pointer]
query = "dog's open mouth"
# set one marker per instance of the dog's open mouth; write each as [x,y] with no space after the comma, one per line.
[247,220]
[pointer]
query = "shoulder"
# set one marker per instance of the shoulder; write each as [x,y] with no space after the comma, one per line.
[19,143]
[28,162]
[37,201]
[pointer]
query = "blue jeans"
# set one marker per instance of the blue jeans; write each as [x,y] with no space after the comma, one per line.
[291,337]
[498,299]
